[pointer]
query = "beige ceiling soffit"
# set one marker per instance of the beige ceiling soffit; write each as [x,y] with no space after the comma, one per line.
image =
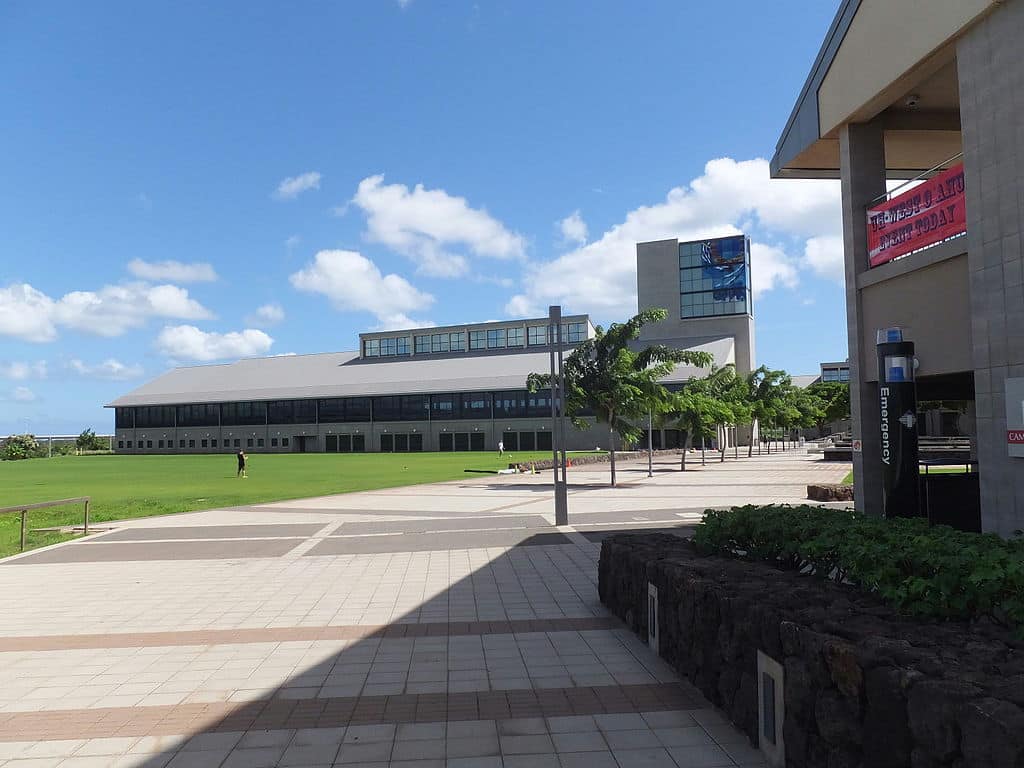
[857,88]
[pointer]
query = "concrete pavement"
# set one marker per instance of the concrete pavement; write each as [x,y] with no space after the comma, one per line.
[439,625]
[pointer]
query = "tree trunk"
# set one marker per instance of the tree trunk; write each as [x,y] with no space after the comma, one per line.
[723,433]
[686,443]
[611,436]
[703,463]
[753,431]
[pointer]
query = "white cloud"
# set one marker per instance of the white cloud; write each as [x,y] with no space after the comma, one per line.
[31,315]
[26,313]
[188,343]
[573,228]
[21,371]
[292,243]
[115,309]
[600,277]
[294,186]
[426,225]
[111,369]
[825,256]
[771,267]
[354,283]
[268,314]
[23,395]
[174,271]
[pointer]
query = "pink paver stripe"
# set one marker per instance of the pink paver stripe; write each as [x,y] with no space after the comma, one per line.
[272,714]
[285,634]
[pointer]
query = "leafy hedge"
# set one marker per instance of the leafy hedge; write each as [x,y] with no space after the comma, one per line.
[924,570]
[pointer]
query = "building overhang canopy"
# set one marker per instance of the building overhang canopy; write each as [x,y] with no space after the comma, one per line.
[888,60]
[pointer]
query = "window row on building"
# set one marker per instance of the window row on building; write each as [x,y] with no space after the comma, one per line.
[396,442]
[456,405]
[835,374]
[200,443]
[493,338]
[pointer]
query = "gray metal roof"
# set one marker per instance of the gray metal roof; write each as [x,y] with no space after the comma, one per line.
[343,374]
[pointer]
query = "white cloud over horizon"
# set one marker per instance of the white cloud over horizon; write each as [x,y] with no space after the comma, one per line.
[23,395]
[437,231]
[353,283]
[17,370]
[729,197]
[825,256]
[172,271]
[293,186]
[28,314]
[186,343]
[110,370]
[573,228]
[268,314]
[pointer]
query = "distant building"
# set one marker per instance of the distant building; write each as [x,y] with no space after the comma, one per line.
[836,372]
[454,388]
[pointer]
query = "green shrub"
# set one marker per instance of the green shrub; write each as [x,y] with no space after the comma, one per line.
[21,447]
[920,569]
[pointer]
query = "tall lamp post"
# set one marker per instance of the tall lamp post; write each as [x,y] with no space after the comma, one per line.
[557,419]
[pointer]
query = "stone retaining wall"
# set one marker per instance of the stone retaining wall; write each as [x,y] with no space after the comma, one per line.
[864,687]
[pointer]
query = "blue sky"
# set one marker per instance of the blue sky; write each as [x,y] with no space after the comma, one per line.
[184,182]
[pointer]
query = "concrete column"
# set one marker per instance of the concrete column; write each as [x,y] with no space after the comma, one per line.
[991,73]
[862,164]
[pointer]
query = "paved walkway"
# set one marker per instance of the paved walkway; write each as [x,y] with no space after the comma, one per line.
[447,625]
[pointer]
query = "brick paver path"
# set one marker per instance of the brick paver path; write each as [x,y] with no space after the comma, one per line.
[436,626]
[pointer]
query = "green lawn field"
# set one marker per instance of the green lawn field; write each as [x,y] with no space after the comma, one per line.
[139,486]
[950,470]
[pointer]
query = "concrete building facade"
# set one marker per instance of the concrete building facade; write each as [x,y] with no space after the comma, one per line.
[664,279]
[905,90]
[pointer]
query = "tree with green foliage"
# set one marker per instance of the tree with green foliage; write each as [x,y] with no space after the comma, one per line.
[90,441]
[834,401]
[697,413]
[18,447]
[605,376]
[766,390]
[800,410]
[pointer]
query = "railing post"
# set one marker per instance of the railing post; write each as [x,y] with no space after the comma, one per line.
[85,528]
[24,518]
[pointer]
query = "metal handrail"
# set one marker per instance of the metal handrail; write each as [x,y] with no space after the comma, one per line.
[920,177]
[24,509]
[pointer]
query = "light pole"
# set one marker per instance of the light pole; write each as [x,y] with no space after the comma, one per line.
[650,445]
[557,422]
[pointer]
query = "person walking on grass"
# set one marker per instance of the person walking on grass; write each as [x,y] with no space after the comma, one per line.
[501,447]
[241,463]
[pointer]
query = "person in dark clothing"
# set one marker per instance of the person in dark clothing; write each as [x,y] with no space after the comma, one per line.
[241,463]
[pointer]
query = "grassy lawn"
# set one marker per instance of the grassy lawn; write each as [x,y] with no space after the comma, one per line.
[957,470]
[139,486]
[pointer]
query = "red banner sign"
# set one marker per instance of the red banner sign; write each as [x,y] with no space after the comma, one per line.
[1015,436]
[927,214]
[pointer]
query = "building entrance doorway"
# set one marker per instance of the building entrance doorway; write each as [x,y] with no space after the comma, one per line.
[305,443]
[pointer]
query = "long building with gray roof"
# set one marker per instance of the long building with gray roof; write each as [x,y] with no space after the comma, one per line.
[452,388]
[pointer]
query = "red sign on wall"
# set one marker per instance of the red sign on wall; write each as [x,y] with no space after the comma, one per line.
[1015,436]
[927,214]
